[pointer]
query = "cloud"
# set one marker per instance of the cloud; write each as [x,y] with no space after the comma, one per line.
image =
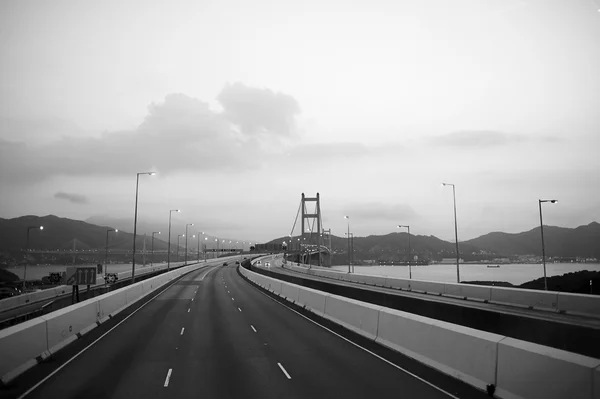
[377,211]
[73,198]
[259,110]
[179,134]
[477,138]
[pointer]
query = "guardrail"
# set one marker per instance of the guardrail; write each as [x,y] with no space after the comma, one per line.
[491,362]
[560,302]
[24,345]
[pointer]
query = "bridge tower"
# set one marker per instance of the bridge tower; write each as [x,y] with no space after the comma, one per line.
[316,216]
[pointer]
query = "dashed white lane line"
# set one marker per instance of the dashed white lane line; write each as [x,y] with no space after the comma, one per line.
[192,299]
[284,372]
[253,329]
[189,310]
[239,309]
[182,329]
[232,299]
[168,377]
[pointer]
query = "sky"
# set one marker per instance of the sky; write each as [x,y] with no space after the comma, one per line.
[240,106]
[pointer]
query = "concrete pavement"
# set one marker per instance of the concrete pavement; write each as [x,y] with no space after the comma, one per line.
[212,334]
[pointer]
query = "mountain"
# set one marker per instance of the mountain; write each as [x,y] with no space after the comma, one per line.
[61,233]
[583,241]
[394,246]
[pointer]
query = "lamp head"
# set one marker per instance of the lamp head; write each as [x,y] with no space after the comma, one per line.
[41,227]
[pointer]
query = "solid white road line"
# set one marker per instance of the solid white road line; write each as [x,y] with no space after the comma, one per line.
[182,328]
[253,327]
[232,299]
[239,309]
[364,349]
[189,310]
[284,372]
[168,377]
[92,344]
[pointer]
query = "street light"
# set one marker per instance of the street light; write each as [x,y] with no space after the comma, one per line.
[542,232]
[169,244]
[455,230]
[186,240]
[152,246]
[204,247]
[106,249]
[27,251]
[180,235]
[348,217]
[409,269]
[137,183]
[217,251]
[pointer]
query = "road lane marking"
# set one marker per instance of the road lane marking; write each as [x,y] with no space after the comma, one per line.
[192,299]
[30,390]
[239,309]
[253,327]
[364,349]
[284,372]
[232,299]
[182,328]
[189,310]
[168,377]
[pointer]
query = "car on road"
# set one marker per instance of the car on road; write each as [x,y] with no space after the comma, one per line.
[7,292]
[237,262]
[267,264]
[258,263]
[224,263]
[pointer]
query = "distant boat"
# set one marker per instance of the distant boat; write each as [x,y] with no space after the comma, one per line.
[493,265]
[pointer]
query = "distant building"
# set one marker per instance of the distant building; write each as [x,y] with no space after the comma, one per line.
[451,261]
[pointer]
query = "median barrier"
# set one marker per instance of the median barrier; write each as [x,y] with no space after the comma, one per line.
[357,316]
[470,291]
[398,283]
[20,343]
[134,292]
[68,322]
[586,305]
[110,302]
[524,297]
[430,287]
[462,352]
[288,291]
[312,299]
[528,370]
[9,303]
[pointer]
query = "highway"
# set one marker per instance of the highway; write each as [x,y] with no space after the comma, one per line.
[212,334]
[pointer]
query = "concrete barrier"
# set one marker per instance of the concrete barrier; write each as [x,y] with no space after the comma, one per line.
[586,305]
[65,323]
[462,352]
[289,291]
[431,287]
[527,370]
[470,291]
[135,292]
[523,297]
[397,283]
[20,343]
[357,316]
[110,302]
[312,299]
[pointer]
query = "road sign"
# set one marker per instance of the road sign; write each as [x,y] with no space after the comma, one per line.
[80,276]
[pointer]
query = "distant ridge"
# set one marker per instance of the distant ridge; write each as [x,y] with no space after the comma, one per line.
[60,233]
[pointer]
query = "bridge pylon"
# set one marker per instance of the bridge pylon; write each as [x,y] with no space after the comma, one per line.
[314,217]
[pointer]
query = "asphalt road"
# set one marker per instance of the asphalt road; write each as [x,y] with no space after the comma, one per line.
[214,335]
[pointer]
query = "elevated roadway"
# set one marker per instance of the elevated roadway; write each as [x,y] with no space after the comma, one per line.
[562,331]
[212,334]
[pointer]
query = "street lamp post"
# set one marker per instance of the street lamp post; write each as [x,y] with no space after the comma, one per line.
[455,231]
[198,249]
[543,247]
[137,184]
[409,258]
[106,250]
[186,240]
[27,252]
[178,236]
[348,217]
[152,248]
[204,247]
[169,243]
